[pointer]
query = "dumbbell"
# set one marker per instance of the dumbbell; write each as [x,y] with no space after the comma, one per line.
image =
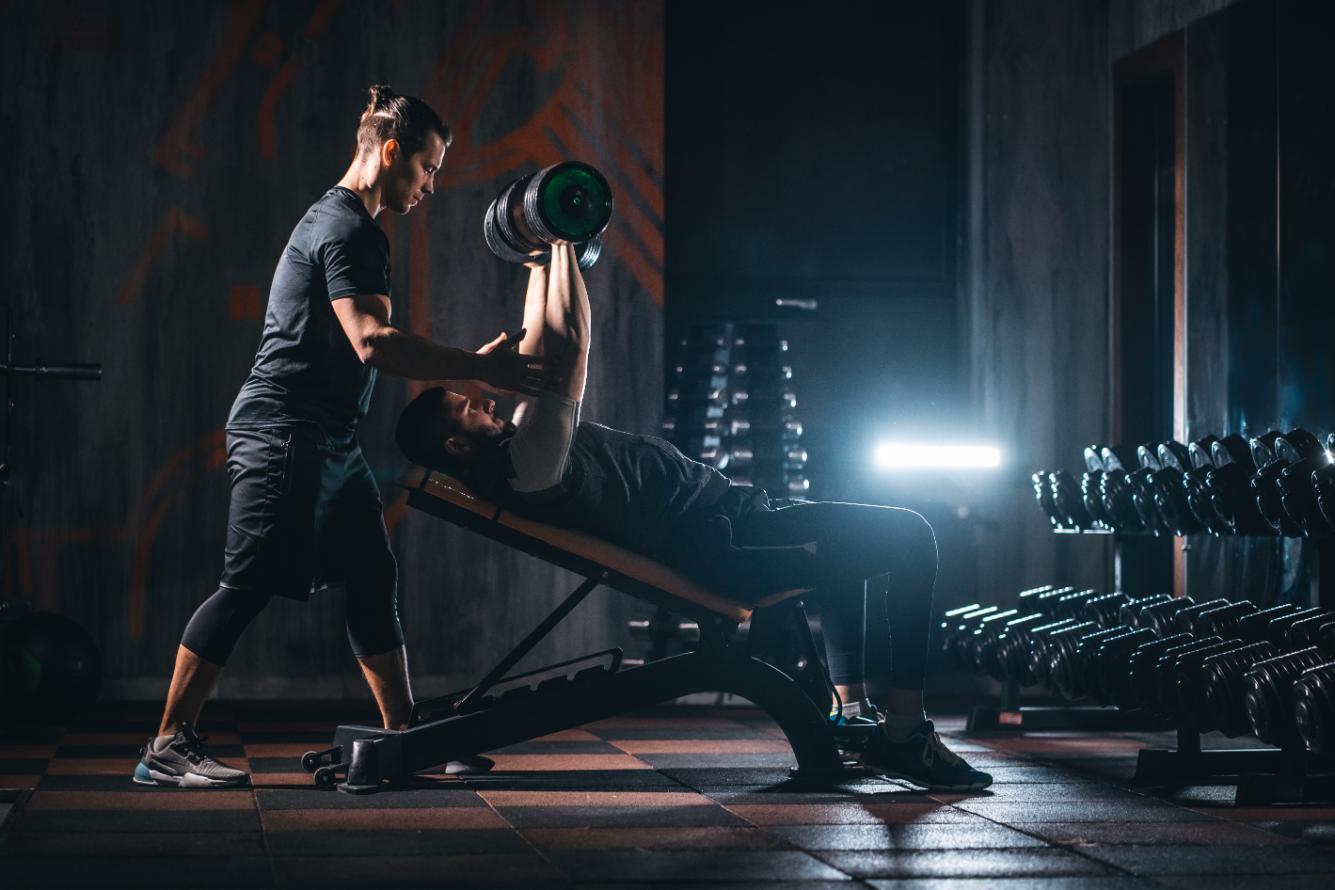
[1225,677]
[1297,483]
[570,201]
[1229,491]
[1159,616]
[1169,487]
[1268,695]
[1295,452]
[1314,707]
[955,624]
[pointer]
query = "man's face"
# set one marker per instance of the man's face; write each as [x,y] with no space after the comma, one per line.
[412,177]
[470,422]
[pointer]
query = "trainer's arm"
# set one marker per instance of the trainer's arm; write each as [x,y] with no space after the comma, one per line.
[365,321]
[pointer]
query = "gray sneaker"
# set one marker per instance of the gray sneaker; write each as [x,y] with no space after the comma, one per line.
[182,761]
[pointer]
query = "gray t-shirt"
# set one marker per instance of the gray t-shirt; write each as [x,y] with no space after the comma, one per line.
[306,370]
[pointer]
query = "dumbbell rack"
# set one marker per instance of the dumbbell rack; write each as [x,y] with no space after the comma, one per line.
[1264,776]
[1010,716]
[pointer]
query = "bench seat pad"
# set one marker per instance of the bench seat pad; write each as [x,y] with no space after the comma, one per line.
[635,565]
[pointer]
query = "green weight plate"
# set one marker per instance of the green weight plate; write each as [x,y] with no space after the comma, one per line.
[574,202]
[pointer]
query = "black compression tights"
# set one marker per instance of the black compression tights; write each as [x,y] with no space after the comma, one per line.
[834,548]
[373,623]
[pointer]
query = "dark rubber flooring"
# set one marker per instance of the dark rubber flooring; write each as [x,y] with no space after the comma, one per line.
[674,796]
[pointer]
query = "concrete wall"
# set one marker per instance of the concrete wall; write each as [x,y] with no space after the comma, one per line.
[159,155]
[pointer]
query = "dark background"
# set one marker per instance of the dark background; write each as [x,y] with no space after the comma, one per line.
[938,176]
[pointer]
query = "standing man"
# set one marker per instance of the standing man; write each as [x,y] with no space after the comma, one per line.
[305,511]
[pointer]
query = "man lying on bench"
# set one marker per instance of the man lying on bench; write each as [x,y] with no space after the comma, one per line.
[643,494]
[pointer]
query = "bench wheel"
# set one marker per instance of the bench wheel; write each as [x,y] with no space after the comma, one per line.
[310,761]
[325,777]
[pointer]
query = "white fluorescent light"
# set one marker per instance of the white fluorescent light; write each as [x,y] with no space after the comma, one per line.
[922,455]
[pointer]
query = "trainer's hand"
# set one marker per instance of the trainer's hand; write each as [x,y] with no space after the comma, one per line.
[504,340]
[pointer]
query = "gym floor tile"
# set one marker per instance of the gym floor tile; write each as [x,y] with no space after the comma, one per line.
[15,780]
[394,871]
[652,838]
[563,763]
[283,780]
[1049,791]
[890,836]
[722,777]
[720,761]
[1085,882]
[135,740]
[270,764]
[1320,881]
[133,843]
[1308,832]
[312,798]
[148,822]
[1016,811]
[398,841]
[1130,832]
[138,798]
[603,817]
[25,767]
[538,798]
[140,871]
[453,818]
[1271,814]
[852,814]
[23,752]
[701,734]
[741,865]
[1176,859]
[561,746]
[1035,743]
[706,747]
[843,884]
[628,780]
[1039,774]
[963,863]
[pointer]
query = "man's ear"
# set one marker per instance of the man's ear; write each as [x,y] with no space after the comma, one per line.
[458,446]
[389,152]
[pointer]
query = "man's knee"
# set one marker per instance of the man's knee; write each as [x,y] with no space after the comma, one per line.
[373,606]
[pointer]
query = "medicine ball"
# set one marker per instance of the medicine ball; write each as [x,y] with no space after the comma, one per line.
[50,669]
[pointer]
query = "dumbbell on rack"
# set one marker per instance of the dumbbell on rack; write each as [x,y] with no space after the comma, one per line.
[1276,483]
[1212,665]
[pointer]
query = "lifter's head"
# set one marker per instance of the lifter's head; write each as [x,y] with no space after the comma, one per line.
[401,142]
[443,429]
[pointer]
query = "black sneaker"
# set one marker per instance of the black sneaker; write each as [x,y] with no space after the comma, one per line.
[922,759]
[182,762]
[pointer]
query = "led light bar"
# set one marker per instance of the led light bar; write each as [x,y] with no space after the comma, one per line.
[925,455]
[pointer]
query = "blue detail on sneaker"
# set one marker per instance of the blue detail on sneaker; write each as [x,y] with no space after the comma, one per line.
[184,763]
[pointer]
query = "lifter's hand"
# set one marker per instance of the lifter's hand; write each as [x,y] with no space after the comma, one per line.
[505,371]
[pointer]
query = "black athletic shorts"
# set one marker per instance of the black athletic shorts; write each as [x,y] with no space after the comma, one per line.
[305,513]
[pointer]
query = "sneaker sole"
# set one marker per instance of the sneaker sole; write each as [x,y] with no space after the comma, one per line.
[971,786]
[146,775]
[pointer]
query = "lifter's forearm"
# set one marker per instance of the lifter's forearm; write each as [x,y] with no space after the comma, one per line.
[567,323]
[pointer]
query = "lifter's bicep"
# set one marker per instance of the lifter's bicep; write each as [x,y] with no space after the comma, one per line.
[540,448]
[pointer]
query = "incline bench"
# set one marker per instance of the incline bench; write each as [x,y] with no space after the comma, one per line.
[484,717]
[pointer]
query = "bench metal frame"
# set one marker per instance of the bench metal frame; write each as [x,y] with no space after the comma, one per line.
[472,721]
